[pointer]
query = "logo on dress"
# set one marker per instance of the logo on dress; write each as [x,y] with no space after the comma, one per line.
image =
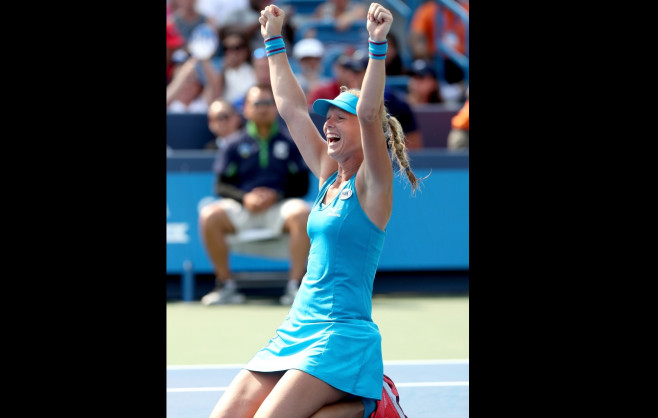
[345,194]
[333,212]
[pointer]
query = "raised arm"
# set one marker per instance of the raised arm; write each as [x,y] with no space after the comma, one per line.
[179,79]
[376,171]
[290,99]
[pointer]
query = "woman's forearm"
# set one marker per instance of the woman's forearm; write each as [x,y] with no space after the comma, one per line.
[288,94]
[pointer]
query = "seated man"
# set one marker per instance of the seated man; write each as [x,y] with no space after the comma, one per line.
[261,178]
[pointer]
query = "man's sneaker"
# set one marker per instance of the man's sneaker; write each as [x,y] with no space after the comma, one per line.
[291,291]
[223,296]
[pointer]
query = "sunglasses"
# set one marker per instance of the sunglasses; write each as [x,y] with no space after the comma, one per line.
[264,103]
[234,47]
[221,117]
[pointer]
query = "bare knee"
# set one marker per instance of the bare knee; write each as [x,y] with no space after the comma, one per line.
[297,217]
[245,394]
[214,216]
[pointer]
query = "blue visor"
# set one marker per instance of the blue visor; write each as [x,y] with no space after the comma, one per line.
[346,101]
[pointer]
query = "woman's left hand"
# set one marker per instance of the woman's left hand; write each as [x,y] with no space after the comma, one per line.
[379,21]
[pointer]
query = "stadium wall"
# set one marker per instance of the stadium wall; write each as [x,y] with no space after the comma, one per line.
[428,231]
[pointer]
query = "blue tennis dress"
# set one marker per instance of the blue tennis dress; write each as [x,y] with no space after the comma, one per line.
[329,332]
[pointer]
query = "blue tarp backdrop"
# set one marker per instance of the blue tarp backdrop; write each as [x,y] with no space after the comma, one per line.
[428,231]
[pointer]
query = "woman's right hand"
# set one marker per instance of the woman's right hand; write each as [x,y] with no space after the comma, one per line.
[271,20]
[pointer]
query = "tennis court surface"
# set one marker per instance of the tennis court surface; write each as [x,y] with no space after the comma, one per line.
[424,346]
[428,388]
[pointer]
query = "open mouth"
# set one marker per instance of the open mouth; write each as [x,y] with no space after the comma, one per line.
[331,138]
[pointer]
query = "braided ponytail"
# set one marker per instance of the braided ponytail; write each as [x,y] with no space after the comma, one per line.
[398,149]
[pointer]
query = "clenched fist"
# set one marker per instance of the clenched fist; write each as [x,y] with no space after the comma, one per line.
[271,21]
[379,21]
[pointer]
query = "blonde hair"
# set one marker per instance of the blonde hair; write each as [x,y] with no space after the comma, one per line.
[395,140]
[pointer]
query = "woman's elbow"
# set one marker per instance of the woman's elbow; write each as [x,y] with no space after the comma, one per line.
[366,113]
[291,113]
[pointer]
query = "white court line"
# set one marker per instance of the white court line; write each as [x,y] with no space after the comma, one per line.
[206,366]
[386,363]
[429,384]
[211,389]
[400,385]
[423,362]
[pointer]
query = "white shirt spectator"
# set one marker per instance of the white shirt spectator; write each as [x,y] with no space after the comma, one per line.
[237,81]
[197,105]
[217,10]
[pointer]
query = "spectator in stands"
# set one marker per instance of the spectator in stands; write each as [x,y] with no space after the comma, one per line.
[331,88]
[237,73]
[355,68]
[394,64]
[396,103]
[186,18]
[423,31]
[174,42]
[398,106]
[188,92]
[261,68]
[458,136]
[342,12]
[216,11]
[308,53]
[224,121]
[261,178]
[424,87]
[245,22]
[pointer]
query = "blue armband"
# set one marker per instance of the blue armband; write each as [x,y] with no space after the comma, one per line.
[274,45]
[377,50]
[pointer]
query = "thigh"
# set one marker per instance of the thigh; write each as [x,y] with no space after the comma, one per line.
[245,394]
[275,217]
[343,409]
[235,212]
[298,395]
[220,214]
[272,219]
[293,208]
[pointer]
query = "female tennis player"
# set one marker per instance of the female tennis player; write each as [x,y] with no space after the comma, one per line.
[326,358]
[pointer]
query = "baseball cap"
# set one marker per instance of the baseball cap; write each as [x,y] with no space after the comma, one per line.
[346,101]
[308,47]
[422,67]
[357,62]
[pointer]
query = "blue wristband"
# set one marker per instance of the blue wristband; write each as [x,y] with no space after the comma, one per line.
[274,45]
[377,50]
